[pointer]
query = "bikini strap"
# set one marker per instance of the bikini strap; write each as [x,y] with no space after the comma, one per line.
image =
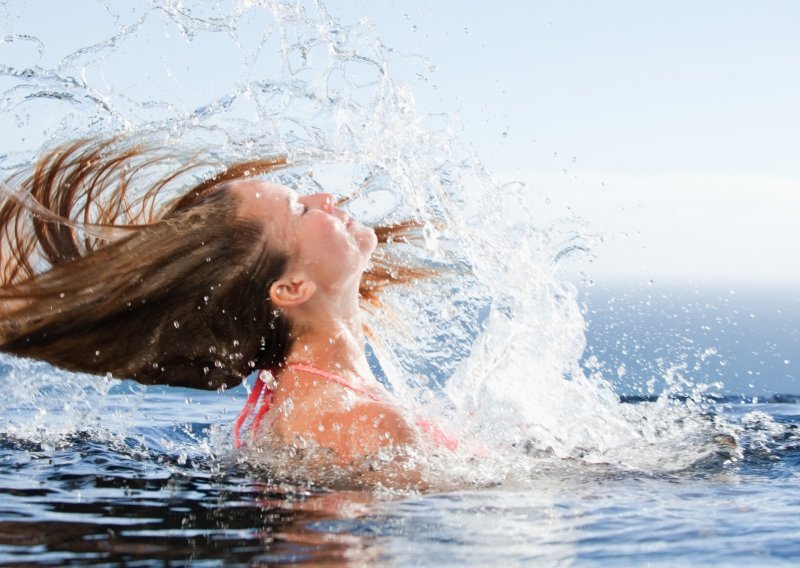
[333,378]
[439,436]
[264,392]
[262,387]
[259,387]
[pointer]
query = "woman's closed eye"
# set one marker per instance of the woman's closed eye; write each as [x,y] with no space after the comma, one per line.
[299,208]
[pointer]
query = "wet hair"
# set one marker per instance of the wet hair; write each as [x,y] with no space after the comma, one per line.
[100,274]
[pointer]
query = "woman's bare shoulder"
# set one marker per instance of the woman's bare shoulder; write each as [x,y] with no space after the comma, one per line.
[363,428]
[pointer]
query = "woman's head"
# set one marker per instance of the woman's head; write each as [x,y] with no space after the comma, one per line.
[191,293]
[326,249]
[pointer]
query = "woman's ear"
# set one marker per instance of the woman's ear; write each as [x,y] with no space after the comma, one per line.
[291,291]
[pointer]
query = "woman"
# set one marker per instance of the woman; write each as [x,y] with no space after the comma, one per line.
[237,274]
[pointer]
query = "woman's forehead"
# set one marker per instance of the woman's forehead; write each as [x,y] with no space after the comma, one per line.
[254,192]
[262,198]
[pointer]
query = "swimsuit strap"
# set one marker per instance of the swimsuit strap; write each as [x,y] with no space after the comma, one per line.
[252,400]
[260,387]
[439,436]
[334,378]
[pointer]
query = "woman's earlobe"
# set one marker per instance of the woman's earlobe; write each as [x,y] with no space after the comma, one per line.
[291,292]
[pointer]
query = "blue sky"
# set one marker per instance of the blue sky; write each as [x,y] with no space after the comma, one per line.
[671,128]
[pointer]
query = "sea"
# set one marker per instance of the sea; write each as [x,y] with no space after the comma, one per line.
[101,471]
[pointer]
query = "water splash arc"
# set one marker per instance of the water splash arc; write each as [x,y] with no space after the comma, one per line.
[496,344]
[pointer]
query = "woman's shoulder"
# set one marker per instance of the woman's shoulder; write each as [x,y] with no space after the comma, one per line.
[332,412]
[353,429]
[366,427]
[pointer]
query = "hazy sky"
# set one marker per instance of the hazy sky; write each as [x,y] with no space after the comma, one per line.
[670,127]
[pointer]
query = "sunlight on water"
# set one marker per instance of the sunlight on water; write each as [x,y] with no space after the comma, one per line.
[494,346]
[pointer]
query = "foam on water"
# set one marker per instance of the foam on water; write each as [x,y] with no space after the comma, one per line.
[494,345]
[47,406]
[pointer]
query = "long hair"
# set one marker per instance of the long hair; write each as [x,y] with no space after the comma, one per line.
[100,273]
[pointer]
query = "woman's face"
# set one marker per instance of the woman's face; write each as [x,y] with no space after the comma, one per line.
[319,238]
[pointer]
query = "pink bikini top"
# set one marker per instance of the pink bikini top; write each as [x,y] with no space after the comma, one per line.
[261,391]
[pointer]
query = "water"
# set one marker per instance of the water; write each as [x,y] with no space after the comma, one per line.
[155,479]
[501,346]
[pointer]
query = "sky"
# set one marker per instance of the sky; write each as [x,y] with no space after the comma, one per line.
[670,128]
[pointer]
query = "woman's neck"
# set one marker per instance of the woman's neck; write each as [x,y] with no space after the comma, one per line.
[331,340]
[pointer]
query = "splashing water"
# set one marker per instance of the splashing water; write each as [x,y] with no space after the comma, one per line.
[495,343]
